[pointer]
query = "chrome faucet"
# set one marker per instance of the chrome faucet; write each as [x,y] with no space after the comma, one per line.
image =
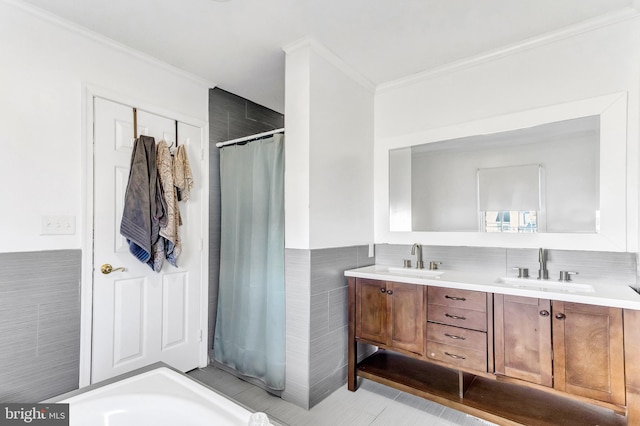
[543,274]
[417,250]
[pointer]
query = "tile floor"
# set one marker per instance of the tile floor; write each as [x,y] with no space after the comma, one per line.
[373,404]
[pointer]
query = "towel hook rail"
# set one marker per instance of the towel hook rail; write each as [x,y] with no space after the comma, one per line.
[135,123]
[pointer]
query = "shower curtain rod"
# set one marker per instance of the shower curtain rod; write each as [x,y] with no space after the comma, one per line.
[248,138]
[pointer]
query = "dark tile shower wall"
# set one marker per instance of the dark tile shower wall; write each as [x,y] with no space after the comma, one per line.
[230,117]
[39,324]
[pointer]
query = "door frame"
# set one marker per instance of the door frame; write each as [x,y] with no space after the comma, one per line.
[86,226]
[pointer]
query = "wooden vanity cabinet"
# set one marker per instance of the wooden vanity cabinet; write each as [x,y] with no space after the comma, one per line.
[584,357]
[522,333]
[371,311]
[417,328]
[457,328]
[391,314]
[588,347]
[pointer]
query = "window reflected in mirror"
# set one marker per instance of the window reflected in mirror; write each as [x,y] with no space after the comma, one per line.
[510,221]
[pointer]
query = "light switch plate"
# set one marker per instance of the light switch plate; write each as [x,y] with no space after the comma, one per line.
[58,225]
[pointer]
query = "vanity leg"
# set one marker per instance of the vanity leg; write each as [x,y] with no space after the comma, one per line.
[464,381]
[352,355]
[491,367]
[633,408]
[632,361]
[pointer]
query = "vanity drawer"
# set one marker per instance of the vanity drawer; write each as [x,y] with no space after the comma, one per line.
[456,356]
[456,336]
[465,318]
[466,299]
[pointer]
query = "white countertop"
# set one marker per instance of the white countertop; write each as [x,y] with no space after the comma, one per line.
[602,294]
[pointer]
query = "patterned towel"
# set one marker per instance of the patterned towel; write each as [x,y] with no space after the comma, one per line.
[172,245]
[183,179]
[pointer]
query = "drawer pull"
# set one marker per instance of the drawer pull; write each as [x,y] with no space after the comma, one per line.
[456,317]
[454,356]
[454,337]
[462,299]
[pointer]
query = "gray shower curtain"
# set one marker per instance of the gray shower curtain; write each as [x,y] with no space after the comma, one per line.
[250,325]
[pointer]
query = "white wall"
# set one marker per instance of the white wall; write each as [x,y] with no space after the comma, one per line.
[328,178]
[43,67]
[592,61]
[296,171]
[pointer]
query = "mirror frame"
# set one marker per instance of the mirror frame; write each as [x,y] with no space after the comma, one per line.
[612,236]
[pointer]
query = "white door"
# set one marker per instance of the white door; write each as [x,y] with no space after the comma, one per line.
[141,316]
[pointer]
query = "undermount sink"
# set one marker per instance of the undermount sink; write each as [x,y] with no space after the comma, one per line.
[533,283]
[415,271]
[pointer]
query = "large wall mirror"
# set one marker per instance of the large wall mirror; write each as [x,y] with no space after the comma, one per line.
[556,174]
[539,179]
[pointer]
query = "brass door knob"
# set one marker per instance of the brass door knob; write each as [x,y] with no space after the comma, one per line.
[107,269]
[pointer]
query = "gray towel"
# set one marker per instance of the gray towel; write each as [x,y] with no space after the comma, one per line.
[143,204]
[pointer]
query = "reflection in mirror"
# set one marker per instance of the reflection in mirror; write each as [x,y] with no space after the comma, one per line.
[542,179]
[509,198]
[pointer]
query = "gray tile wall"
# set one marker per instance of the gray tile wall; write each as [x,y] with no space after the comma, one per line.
[473,259]
[610,267]
[230,117]
[298,316]
[592,266]
[39,324]
[317,320]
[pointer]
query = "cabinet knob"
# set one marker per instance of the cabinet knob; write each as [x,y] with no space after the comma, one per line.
[560,316]
[544,313]
[383,290]
[389,292]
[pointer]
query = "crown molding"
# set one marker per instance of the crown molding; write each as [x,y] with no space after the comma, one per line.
[329,56]
[106,41]
[612,18]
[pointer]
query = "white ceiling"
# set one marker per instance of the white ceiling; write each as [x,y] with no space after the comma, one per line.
[237,44]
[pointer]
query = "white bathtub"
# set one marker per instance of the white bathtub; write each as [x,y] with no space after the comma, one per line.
[160,397]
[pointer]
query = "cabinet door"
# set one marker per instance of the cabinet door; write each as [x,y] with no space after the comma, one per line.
[406,316]
[523,338]
[588,351]
[371,310]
